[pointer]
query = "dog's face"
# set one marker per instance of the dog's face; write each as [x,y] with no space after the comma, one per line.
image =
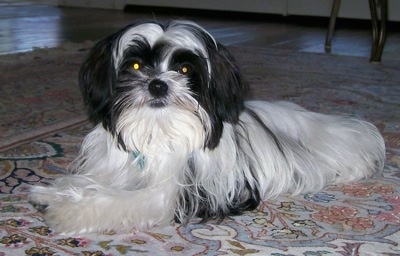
[147,69]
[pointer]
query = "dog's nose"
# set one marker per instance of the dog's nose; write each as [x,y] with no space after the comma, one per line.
[158,88]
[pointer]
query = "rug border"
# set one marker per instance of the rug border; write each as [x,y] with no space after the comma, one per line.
[35,134]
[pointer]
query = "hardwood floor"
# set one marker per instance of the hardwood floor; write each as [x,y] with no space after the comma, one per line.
[25,25]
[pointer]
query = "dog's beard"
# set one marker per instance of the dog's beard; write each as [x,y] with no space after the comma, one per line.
[148,130]
[149,124]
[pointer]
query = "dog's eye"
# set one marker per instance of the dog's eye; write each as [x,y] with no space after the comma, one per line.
[185,70]
[136,65]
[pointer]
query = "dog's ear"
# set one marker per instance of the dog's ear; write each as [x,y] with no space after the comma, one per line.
[226,92]
[97,80]
[227,86]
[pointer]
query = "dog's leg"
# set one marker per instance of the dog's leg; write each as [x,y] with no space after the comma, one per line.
[96,208]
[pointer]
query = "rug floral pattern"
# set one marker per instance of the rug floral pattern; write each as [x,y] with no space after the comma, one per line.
[350,219]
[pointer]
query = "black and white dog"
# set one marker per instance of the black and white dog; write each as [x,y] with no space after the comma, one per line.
[174,138]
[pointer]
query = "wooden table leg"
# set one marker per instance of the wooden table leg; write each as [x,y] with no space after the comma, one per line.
[378,33]
[332,21]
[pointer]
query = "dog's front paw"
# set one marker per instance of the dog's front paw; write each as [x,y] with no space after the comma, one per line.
[63,213]
[41,196]
[71,218]
[75,210]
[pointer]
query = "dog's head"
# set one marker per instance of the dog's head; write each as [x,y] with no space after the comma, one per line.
[150,67]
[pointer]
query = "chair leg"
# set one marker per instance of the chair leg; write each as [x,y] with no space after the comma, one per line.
[332,21]
[378,33]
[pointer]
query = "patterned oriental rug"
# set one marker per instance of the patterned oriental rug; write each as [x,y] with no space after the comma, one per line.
[43,122]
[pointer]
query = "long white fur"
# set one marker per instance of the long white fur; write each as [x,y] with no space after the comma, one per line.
[111,191]
[116,189]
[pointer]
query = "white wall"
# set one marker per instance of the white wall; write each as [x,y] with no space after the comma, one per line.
[358,9]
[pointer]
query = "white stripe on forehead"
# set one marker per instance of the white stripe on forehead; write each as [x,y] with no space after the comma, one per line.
[180,34]
[184,34]
[150,31]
